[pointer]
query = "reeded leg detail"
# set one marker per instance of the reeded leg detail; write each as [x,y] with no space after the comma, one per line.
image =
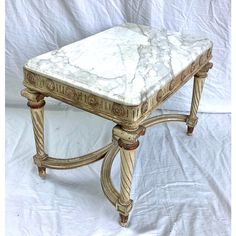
[36,104]
[124,204]
[199,79]
[128,143]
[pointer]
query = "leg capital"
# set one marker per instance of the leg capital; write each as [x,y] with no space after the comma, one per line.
[128,146]
[202,73]
[128,136]
[32,95]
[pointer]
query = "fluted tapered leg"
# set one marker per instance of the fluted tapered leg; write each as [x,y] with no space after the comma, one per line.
[36,104]
[199,79]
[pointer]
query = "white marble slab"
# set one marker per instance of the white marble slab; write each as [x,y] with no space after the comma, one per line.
[125,64]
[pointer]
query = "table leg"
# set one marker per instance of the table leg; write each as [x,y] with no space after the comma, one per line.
[36,103]
[199,79]
[127,155]
[126,173]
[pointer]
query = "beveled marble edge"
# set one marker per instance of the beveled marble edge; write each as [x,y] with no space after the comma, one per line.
[119,113]
[97,94]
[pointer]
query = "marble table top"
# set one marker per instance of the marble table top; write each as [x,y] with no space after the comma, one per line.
[126,64]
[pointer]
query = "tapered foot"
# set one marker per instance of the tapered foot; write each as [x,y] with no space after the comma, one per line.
[123,220]
[42,171]
[190,130]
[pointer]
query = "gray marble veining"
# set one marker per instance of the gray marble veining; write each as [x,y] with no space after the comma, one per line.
[125,64]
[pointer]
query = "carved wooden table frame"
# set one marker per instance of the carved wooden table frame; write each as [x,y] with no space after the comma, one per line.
[131,123]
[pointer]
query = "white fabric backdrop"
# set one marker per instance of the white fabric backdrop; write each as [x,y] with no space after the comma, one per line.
[181,184]
[34,27]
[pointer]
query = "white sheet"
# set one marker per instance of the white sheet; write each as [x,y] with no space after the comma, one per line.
[34,27]
[181,184]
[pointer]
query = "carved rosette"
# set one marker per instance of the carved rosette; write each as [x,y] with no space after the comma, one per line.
[50,85]
[92,101]
[118,109]
[70,92]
